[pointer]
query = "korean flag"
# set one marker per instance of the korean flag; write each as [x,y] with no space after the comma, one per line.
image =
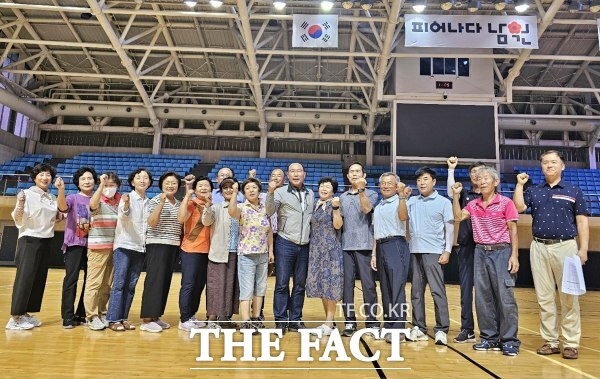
[315,30]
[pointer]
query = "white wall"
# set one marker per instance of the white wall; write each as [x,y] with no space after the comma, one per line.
[408,79]
[11,146]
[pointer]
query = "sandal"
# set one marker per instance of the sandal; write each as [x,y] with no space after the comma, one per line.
[127,326]
[116,327]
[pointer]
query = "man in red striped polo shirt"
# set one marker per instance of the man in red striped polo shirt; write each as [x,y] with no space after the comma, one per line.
[494,219]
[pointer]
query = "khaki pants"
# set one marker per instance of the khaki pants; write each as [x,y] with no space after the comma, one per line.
[99,281]
[547,263]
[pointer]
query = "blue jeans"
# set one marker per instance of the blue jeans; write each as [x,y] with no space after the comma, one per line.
[291,261]
[128,265]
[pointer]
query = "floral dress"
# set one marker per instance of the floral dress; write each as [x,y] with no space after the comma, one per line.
[325,261]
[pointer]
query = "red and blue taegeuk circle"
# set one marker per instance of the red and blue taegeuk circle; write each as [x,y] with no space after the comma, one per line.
[315,31]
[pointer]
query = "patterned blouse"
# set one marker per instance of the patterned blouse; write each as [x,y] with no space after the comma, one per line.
[254,229]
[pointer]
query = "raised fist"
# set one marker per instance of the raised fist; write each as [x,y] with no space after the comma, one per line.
[21,197]
[407,192]
[457,188]
[103,180]
[236,187]
[452,162]
[361,183]
[208,201]
[252,173]
[522,178]
[400,188]
[162,197]
[59,183]
[335,201]
[272,186]
[189,180]
[125,199]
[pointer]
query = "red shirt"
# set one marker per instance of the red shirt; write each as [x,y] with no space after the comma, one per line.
[490,223]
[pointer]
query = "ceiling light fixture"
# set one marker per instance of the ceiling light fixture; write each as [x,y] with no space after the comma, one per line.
[348,4]
[447,4]
[326,5]
[500,5]
[419,6]
[366,4]
[216,3]
[474,6]
[522,5]
[279,4]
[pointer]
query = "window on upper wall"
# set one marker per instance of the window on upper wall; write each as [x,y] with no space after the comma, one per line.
[11,121]
[444,66]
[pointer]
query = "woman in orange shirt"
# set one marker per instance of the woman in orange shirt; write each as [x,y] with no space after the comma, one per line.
[194,250]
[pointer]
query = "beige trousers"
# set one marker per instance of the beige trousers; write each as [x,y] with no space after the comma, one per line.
[99,282]
[547,263]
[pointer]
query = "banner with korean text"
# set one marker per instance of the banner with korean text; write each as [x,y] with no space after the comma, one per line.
[518,32]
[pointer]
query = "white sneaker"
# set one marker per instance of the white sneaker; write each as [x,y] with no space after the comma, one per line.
[96,324]
[151,327]
[441,338]
[199,324]
[162,324]
[187,326]
[371,334]
[32,320]
[104,320]
[326,329]
[18,324]
[213,325]
[417,335]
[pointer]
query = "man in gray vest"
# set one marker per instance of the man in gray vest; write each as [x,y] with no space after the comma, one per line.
[294,205]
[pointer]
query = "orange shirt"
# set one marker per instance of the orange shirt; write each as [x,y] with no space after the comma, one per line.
[202,242]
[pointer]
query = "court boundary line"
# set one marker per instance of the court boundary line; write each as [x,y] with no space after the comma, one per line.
[532,352]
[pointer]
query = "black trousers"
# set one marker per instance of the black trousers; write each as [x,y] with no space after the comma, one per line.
[75,259]
[466,272]
[31,259]
[193,281]
[160,262]
[361,261]
[393,262]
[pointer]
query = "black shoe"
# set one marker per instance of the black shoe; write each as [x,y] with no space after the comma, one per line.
[349,330]
[282,326]
[295,326]
[69,323]
[80,319]
[465,336]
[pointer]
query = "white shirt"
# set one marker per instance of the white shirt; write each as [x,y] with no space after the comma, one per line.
[40,213]
[132,225]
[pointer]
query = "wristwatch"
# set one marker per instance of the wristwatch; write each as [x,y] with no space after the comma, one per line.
[360,190]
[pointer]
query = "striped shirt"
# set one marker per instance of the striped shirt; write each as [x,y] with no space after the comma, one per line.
[490,223]
[103,224]
[168,230]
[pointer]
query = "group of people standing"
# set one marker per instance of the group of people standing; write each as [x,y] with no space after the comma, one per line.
[226,237]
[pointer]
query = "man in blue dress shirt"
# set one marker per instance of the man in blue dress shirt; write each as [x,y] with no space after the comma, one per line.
[559,215]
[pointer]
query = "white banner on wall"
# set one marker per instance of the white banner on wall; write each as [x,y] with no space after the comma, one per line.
[471,31]
[598,22]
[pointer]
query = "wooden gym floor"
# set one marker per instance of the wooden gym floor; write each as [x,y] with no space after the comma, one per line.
[52,352]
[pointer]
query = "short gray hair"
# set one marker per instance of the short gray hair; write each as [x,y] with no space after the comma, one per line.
[489,170]
[390,174]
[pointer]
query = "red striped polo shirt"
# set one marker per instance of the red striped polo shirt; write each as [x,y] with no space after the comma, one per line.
[490,223]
